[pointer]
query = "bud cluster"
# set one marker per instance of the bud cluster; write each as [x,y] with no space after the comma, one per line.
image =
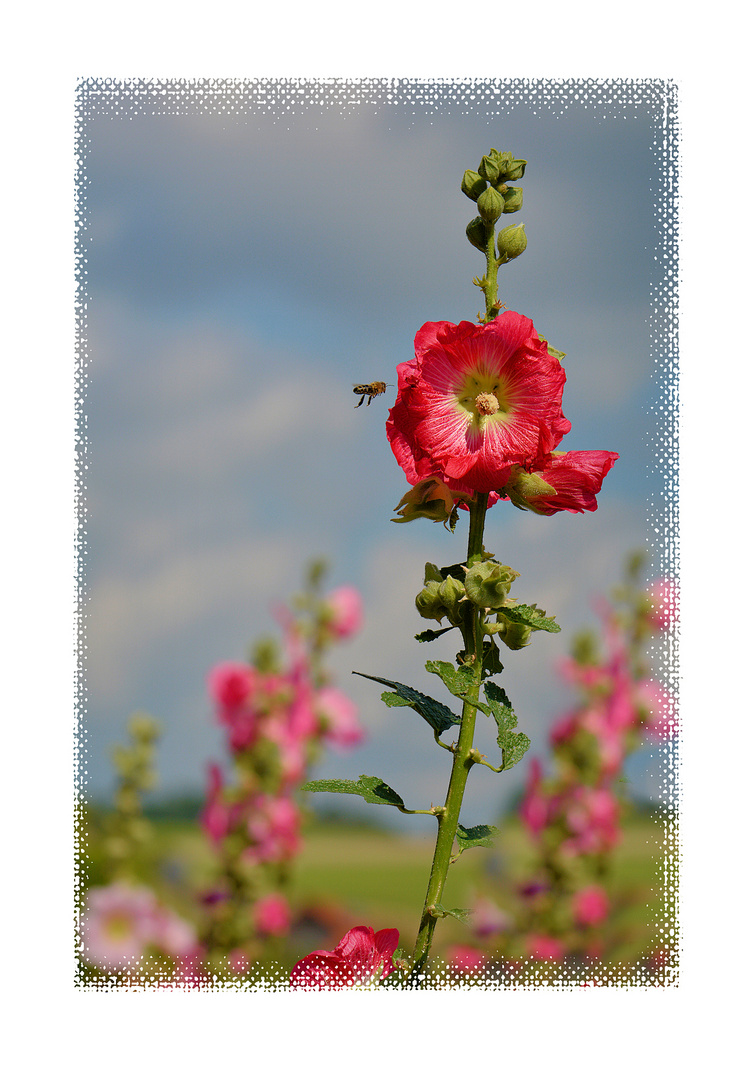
[488,187]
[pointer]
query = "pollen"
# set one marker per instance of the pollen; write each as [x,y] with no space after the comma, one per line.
[487,404]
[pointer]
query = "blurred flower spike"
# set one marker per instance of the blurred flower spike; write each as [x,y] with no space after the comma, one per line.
[362,959]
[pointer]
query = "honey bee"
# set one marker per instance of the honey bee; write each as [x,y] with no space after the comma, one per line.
[371,390]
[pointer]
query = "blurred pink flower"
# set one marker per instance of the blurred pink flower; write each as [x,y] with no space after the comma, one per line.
[346,611]
[118,924]
[659,708]
[239,961]
[591,817]
[272,915]
[590,905]
[488,919]
[665,602]
[464,959]
[534,810]
[543,947]
[362,958]
[230,684]
[122,921]
[215,817]
[273,824]
[339,717]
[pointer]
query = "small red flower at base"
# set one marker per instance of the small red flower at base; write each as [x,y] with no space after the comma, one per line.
[363,958]
[542,947]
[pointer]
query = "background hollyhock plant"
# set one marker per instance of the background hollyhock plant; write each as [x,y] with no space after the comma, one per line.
[573,814]
[277,712]
[477,419]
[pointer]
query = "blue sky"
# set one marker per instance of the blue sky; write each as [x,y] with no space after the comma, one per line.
[245,267]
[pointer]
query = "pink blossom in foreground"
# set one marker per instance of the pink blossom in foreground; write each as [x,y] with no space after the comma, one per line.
[590,905]
[118,925]
[121,922]
[363,958]
[345,612]
[272,915]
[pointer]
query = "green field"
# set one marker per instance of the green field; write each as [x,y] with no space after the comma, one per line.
[349,874]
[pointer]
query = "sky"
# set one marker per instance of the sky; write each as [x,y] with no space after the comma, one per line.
[250,253]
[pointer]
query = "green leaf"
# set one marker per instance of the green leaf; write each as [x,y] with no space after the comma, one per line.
[370,788]
[462,914]
[434,712]
[458,681]
[477,836]
[431,635]
[529,615]
[514,744]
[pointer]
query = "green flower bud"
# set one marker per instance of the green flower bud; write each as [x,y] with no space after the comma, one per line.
[515,635]
[473,184]
[513,199]
[477,234]
[524,489]
[515,170]
[511,241]
[490,206]
[440,599]
[487,584]
[490,169]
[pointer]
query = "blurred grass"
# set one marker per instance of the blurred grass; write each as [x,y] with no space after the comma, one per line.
[361,875]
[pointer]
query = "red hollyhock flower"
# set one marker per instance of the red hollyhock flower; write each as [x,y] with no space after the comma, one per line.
[362,958]
[476,401]
[561,481]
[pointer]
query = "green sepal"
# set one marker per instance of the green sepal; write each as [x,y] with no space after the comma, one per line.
[434,712]
[514,744]
[477,836]
[462,914]
[529,615]
[553,352]
[370,788]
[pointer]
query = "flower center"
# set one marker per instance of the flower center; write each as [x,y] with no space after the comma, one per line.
[479,396]
[486,404]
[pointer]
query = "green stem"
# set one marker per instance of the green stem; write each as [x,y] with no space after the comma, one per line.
[448,819]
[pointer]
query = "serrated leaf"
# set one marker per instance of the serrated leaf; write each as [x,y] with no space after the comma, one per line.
[514,744]
[458,681]
[370,788]
[462,914]
[433,712]
[476,836]
[530,615]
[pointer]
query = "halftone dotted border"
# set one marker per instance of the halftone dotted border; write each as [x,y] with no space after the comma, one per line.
[284,98]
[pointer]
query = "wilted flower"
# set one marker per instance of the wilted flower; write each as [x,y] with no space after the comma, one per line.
[561,481]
